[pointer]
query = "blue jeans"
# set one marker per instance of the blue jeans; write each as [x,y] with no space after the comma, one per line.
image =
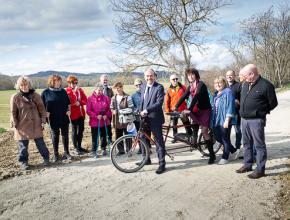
[223,136]
[23,149]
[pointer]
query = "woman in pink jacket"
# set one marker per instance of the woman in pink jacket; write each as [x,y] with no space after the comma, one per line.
[98,109]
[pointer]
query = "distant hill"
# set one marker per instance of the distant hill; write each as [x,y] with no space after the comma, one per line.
[62,73]
[39,79]
[161,74]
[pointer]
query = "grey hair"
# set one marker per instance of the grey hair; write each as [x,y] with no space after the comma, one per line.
[152,70]
[23,80]
[103,76]
[99,86]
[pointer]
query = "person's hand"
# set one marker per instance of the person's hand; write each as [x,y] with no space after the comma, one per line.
[47,114]
[77,103]
[143,113]
[42,126]
[237,103]
[68,113]
[105,117]
[185,112]
[100,117]
[226,124]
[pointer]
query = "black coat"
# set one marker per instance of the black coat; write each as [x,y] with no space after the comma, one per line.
[201,97]
[259,101]
[56,102]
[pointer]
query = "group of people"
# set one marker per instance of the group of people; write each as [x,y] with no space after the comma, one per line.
[242,105]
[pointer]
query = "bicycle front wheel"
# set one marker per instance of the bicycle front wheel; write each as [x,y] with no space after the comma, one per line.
[129,153]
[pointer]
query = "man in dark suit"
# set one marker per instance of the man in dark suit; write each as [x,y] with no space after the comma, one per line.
[152,97]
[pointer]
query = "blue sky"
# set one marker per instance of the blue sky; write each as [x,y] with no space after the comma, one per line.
[75,35]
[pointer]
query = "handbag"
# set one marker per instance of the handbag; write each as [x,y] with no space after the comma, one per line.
[126,115]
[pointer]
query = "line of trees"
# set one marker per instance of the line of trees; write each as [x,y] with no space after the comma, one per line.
[265,41]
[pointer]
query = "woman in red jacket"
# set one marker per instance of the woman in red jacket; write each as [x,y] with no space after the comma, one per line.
[78,100]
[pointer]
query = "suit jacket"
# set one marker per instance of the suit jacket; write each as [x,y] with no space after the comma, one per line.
[154,107]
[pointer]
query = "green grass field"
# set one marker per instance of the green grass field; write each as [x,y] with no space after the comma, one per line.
[5,102]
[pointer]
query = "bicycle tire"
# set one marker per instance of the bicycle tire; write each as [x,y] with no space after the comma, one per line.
[203,148]
[128,162]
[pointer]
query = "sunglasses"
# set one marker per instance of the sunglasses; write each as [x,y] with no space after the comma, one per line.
[175,79]
[75,83]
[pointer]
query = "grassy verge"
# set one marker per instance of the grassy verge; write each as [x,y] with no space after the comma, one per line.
[284,88]
[5,99]
[2,130]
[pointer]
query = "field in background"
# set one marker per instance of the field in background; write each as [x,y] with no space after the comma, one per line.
[5,100]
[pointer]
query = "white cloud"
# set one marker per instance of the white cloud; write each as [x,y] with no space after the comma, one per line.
[213,55]
[50,15]
[216,55]
[85,58]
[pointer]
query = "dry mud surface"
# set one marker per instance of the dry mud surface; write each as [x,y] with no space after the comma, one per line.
[190,189]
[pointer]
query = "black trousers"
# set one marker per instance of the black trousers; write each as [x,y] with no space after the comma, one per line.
[98,139]
[119,133]
[137,125]
[109,128]
[55,138]
[185,122]
[77,132]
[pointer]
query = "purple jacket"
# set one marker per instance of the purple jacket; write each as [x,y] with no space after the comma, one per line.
[98,105]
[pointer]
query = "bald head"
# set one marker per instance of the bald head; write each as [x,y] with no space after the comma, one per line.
[249,72]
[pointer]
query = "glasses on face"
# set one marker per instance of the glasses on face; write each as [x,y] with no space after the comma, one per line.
[175,79]
[138,85]
[75,83]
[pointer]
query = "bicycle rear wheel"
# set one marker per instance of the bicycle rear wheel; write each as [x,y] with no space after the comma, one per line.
[133,157]
[202,146]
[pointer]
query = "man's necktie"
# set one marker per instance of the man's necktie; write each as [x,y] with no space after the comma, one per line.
[146,98]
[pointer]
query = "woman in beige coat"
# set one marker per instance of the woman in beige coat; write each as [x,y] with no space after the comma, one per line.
[28,116]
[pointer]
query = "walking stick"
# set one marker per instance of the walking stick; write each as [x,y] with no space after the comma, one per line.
[48,122]
[97,142]
[107,136]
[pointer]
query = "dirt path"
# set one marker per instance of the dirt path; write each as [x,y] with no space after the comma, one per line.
[190,189]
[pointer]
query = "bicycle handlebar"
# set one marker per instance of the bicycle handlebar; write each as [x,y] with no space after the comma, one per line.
[174,114]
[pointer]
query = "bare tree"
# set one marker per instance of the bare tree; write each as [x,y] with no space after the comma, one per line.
[160,32]
[267,36]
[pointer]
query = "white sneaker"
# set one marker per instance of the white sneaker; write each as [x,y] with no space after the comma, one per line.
[223,162]
[235,155]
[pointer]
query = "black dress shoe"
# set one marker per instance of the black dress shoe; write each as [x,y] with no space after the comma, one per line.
[211,159]
[160,170]
[256,175]
[244,169]
[148,162]
[83,150]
